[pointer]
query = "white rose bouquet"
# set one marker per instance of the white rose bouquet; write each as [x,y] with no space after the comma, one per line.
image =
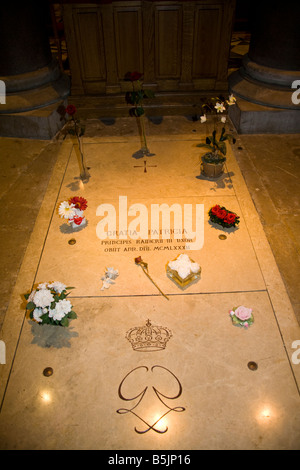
[48,304]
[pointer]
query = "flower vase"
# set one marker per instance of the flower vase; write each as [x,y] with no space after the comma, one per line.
[212,170]
[84,174]
[144,146]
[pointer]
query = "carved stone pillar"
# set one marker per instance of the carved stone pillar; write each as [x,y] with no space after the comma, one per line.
[34,83]
[264,84]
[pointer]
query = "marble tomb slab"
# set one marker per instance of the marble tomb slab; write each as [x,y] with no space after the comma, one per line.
[226,405]
[226,265]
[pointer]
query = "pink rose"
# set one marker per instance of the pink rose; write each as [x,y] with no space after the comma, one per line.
[243,313]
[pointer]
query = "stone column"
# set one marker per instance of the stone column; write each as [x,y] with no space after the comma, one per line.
[263,85]
[34,83]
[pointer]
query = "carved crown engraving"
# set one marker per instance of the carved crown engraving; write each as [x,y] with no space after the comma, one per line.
[148,338]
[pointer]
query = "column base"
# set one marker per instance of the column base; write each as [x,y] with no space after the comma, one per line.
[264,99]
[252,118]
[42,123]
[31,102]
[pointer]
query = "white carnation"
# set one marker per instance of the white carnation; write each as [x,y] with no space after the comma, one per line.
[37,313]
[31,296]
[43,298]
[57,286]
[62,308]
[42,285]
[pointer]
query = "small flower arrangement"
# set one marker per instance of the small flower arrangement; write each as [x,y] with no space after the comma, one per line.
[241,316]
[109,278]
[216,146]
[222,216]
[72,210]
[48,304]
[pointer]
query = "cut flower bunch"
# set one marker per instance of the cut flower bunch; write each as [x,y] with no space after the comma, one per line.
[72,210]
[48,304]
[222,216]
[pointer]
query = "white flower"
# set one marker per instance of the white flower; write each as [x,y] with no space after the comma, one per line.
[31,296]
[219,107]
[37,313]
[184,266]
[42,285]
[231,100]
[223,119]
[111,273]
[203,118]
[57,286]
[66,210]
[62,308]
[57,315]
[106,284]
[43,298]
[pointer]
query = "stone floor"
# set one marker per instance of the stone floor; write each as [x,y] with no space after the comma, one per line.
[204,366]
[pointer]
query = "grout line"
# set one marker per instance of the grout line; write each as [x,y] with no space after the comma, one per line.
[169,294]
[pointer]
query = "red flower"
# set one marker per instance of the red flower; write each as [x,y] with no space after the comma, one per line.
[133,76]
[221,213]
[138,260]
[70,109]
[77,220]
[79,202]
[215,209]
[230,218]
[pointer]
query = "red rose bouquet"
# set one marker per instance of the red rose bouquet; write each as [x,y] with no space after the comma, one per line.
[222,216]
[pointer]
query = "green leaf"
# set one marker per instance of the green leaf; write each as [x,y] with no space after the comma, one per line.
[72,315]
[148,94]
[45,319]
[204,145]
[64,322]
[26,296]
[140,111]
[30,306]
[222,147]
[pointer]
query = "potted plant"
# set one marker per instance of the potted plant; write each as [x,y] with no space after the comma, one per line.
[135,97]
[212,162]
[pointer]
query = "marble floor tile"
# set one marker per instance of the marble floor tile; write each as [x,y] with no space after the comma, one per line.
[201,379]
